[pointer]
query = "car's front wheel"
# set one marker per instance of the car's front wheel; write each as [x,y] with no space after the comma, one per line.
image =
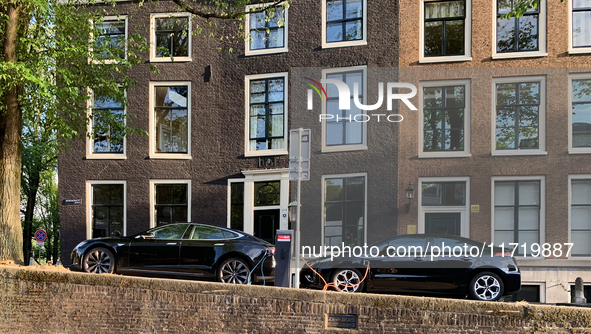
[486,286]
[347,280]
[233,271]
[99,261]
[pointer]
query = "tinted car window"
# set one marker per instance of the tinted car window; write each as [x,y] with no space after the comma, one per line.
[207,233]
[229,235]
[442,242]
[406,243]
[169,232]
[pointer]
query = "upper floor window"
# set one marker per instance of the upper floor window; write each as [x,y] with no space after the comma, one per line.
[344,23]
[580,115]
[266,114]
[266,31]
[106,142]
[446,31]
[521,36]
[581,26]
[111,43]
[520,116]
[170,37]
[580,215]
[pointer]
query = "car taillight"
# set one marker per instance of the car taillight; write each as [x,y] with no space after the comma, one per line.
[503,254]
[271,251]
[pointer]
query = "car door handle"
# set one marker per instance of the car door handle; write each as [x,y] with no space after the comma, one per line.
[418,259]
[467,258]
[171,243]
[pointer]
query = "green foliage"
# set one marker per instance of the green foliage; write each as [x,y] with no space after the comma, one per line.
[520,7]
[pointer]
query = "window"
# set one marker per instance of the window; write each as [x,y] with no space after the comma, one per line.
[106,142]
[445,121]
[518,213]
[446,31]
[519,116]
[529,293]
[344,130]
[111,43]
[106,208]
[580,215]
[344,23]
[580,116]
[344,215]
[586,292]
[202,232]
[171,201]
[523,36]
[170,37]
[236,218]
[580,26]
[443,193]
[443,206]
[170,120]
[267,193]
[267,31]
[172,232]
[266,114]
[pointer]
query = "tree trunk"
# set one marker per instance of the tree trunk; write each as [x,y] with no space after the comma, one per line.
[11,234]
[56,237]
[29,213]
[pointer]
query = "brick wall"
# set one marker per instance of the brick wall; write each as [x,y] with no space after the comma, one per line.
[60,302]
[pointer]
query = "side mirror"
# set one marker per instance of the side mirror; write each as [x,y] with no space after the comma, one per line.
[148,236]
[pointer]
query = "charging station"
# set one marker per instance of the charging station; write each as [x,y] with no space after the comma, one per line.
[283,240]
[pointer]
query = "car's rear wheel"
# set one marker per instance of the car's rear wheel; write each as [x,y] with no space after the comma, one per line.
[486,286]
[347,280]
[234,271]
[99,261]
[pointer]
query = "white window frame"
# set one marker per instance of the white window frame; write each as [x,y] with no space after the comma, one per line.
[267,152]
[153,184]
[571,49]
[345,147]
[152,136]
[571,149]
[341,44]
[247,51]
[542,286]
[464,210]
[541,150]
[467,56]
[542,230]
[570,201]
[521,54]
[446,154]
[111,18]
[90,154]
[89,201]
[153,57]
[322,203]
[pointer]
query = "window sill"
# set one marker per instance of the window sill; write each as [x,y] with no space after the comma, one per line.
[430,155]
[511,55]
[576,51]
[265,52]
[326,45]
[106,156]
[579,150]
[265,153]
[444,59]
[170,156]
[169,60]
[343,148]
[518,152]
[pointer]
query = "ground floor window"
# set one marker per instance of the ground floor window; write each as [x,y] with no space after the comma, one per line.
[528,293]
[107,211]
[171,202]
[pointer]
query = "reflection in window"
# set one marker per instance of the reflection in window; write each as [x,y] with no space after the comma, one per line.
[172,36]
[170,232]
[517,33]
[207,233]
[110,44]
[444,28]
[342,129]
[171,203]
[267,29]
[580,216]
[443,118]
[443,194]
[107,111]
[344,20]
[581,113]
[344,211]
[267,193]
[237,206]
[171,115]
[518,115]
[267,101]
[107,210]
[581,23]
[517,213]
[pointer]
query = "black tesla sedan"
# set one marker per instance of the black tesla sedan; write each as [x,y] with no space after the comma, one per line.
[180,250]
[420,264]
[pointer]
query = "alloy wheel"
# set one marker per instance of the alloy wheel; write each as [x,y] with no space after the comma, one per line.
[487,287]
[347,280]
[234,271]
[98,262]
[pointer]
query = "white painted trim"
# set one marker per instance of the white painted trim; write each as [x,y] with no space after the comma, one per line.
[89,200]
[247,79]
[247,51]
[362,41]
[111,18]
[467,103]
[345,147]
[523,54]
[229,204]
[542,230]
[90,155]
[571,149]
[153,184]
[542,286]
[467,56]
[152,137]
[323,202]
[570,194]
[153,57]
[571,49]
[464,211]
[541,150]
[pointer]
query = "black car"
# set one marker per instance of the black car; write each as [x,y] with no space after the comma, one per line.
[421,264]
[180,250]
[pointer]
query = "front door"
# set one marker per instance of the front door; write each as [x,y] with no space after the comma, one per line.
[266,222]
[443,223]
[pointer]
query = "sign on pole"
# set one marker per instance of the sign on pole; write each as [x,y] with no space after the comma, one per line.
[299,154]
[40,235]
